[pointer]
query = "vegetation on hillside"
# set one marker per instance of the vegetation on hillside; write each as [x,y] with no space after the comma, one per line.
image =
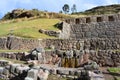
[110,9]
[28,28]
[22,13]
[27,23]
[66,8]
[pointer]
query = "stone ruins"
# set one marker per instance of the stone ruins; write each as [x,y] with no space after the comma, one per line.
[101,26]
[84,45]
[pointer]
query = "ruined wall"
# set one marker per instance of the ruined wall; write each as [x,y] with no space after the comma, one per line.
[65,33]
[3,43]
[96,30]
[91,44]
[99,48]
[16,43]
[102,26]
[93,19]
[105,58]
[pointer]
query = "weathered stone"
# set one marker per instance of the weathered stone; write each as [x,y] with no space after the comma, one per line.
[96,76]
[109,62]
[21,69]
[91,66]
[32,74]
[88,34]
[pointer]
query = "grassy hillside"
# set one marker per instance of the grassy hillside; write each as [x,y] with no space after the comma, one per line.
[22,13]
[28,28]
[109,9]
[26,23]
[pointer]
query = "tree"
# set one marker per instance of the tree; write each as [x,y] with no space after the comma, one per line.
[73,9]
[66,8]
[60,11]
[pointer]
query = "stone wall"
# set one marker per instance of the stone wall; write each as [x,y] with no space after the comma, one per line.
[65,33]
[50,32]
[91,44]
[105,58]
[94,19]
[96,30]
[16,43]
[101,57]
[14,55]
[3,43]
[102,26]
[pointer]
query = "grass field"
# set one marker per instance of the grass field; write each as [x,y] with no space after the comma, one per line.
[13,50]
[28,28]
[12,60]
[114,70]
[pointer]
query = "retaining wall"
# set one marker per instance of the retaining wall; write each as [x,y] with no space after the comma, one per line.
[101,26]
[16,43]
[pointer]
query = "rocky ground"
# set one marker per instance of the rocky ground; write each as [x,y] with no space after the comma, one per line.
[108,75]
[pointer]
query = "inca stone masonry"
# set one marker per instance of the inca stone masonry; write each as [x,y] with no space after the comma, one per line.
[101,26]
[100,34]
[95,32]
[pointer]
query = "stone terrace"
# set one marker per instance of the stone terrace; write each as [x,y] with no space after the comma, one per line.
[101,26]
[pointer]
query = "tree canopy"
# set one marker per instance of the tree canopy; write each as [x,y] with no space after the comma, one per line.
[73,9]
[66,8]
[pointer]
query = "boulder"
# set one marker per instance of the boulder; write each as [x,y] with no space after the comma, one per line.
[91,65]
[32,74]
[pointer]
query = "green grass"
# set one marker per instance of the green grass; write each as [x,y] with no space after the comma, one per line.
[117,78]
[114,70]
[12,60]
[14,50]
[28,28]
[78,15]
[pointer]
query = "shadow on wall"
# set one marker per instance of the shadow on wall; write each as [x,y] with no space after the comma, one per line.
[59,25]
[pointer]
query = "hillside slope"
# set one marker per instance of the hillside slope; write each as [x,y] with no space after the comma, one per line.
[22,13]
[28,28]
[109,9]
[26,23]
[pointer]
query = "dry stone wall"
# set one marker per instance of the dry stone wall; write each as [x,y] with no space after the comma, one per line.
[91,44]
[96,30]
[65,33]
[3,42]
[105,57]
[16,43]
[102,26]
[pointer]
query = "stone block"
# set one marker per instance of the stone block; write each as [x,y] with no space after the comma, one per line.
[32,74]
[109,62]
[88,34]
[110,34]
[94,34]
[85,29]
